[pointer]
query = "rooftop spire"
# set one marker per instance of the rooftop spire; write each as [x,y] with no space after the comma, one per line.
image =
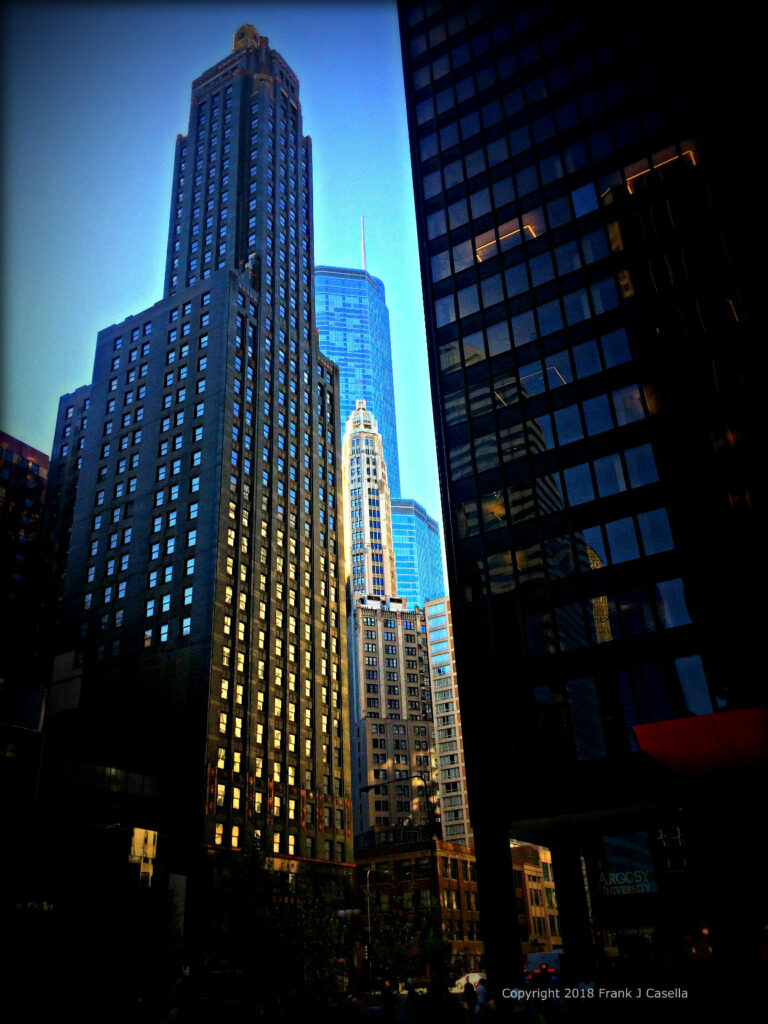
[246,35]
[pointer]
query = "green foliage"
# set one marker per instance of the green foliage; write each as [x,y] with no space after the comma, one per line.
[407,939]
[280,932]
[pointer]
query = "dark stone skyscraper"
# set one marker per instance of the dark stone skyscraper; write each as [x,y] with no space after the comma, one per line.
[23,481]
[595,321]
[199,685]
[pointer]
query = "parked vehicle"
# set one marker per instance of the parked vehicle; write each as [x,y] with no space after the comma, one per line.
[539,964]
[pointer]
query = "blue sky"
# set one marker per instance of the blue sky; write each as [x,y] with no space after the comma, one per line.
[93,98]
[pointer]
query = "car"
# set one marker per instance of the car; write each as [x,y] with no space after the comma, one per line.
[472,976]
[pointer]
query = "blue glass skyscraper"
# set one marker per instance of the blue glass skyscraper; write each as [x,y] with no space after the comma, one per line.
[353,326]
[418,557]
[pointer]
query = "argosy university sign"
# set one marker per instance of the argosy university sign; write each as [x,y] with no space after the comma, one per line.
[625,883]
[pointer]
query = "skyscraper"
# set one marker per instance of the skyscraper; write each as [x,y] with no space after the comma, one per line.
[589,270]
[199,685]
[394,767]
[23,481]
[418,554]
[390,694]
[370,553]
[449,743]
[353,327]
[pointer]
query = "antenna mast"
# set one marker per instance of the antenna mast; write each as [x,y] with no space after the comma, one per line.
[362,232]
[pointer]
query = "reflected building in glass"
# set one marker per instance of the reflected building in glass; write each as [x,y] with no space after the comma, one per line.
[592,322]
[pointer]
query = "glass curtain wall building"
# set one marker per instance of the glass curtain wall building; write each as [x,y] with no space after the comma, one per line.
[593,316]
[200,670]
[418,555]
[353,326]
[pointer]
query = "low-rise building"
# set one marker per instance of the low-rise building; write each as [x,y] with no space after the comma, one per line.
[535,897]
[406,880]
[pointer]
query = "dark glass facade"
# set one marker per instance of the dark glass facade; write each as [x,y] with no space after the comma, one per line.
[592,309]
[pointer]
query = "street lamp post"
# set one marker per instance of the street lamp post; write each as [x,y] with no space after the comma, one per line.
[407,778]
[368,908]
[431,829]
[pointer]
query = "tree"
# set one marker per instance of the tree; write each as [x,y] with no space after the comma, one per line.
[280,934]
[407,939]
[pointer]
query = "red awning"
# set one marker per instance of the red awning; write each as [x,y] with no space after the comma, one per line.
[705,743]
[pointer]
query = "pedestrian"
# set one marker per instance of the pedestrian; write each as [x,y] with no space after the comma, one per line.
[469,996]
[412,1008]
[481,997]
[388,1000]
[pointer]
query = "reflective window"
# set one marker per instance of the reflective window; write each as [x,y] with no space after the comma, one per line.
[568,424]
[655,532]
[610,475]
[578,483]
[597,414]
[641,466]
[523,328]
[622,540]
